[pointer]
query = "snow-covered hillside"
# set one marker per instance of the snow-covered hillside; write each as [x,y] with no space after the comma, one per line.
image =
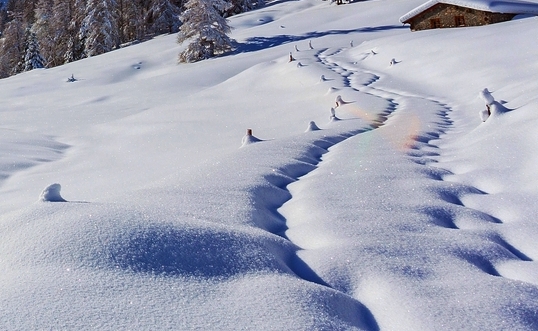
[404,211]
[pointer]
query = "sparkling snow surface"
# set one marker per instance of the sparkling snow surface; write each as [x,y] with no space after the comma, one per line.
[403,211]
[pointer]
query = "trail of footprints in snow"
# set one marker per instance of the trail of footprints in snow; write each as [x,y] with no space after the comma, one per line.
[424,152]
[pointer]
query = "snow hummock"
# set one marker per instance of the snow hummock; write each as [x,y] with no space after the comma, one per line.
[485,95]
[51,193]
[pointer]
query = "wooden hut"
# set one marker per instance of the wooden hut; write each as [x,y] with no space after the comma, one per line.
[436,14]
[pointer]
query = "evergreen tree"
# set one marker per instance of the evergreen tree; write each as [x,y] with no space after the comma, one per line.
[206,30]
[100,28]
[164,17]
[32,58]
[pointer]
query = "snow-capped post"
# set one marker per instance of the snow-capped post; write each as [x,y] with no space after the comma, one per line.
[392,62]
[322,78]
[339,101]
[333,114]
[248,138]
[310,44]
[351,43]
[312,127]
[291,58]
[51,193]
[296,48]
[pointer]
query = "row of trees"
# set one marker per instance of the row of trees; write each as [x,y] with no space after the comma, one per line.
[48,33]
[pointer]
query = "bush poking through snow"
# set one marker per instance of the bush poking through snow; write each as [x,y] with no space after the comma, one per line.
[71,79]
[51,193]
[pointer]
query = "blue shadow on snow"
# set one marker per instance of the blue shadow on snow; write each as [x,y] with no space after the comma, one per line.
[258,43]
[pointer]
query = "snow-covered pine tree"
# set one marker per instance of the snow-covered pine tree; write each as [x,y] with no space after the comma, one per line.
[33,58]
[206,30]
[163,17]
[100,27]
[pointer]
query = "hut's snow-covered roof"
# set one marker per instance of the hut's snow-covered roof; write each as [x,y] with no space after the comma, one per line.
[494,6]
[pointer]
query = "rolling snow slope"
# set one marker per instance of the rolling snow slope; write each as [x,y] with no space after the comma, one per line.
[404,212]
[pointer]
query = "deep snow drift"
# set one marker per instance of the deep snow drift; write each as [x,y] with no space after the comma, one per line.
[369,195]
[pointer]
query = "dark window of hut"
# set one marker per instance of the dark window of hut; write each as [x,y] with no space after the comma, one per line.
[435,23]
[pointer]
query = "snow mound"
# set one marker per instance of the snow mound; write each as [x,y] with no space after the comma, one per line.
[484,115]
[332,90]
[485,94]
[51,193]
[312,127]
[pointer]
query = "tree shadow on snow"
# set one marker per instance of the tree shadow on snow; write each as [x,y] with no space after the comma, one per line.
[258,43]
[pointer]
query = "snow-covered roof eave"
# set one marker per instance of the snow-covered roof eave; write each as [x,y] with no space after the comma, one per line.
[494,6]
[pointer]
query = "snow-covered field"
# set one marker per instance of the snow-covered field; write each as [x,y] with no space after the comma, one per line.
[405,212]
